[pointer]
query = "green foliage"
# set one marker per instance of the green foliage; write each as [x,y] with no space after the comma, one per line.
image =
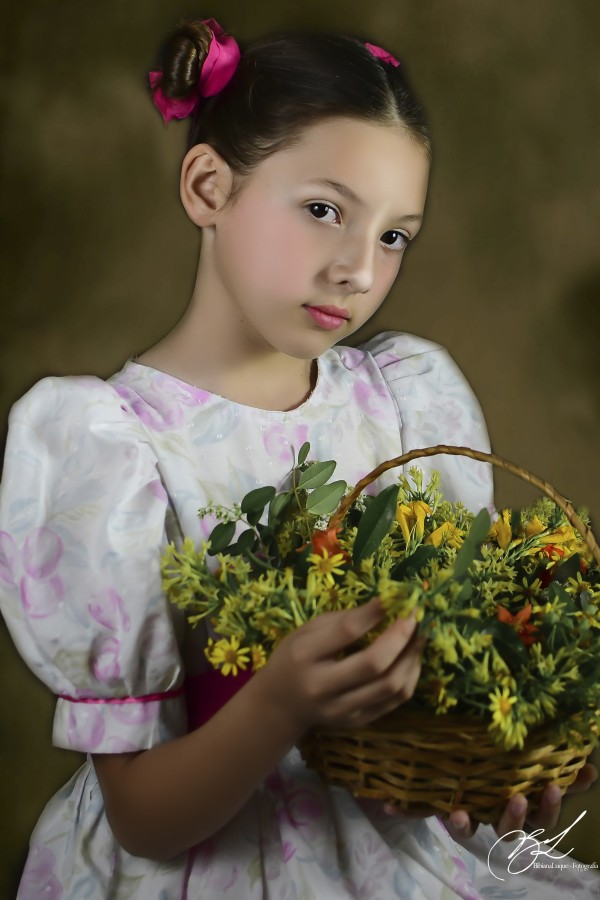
[316,475]
[471,544]
[324,500]
[375,523]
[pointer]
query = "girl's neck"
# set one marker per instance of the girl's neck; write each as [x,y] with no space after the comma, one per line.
[237,370]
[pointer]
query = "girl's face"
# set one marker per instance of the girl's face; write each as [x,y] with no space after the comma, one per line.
[315,236]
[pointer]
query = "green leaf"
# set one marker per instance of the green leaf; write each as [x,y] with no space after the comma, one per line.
[375,523]
[568,569]
[508,643]
[220,537]
[247,539]
[325,499]
[245,542]
[301,564]
[477,534]
[515,521]
[316,474]
[303,452]
[466,591]
[556,591]
[278,504]
[417,560]
[255,501]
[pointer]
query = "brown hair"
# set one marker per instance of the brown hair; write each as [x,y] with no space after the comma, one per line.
[284,84]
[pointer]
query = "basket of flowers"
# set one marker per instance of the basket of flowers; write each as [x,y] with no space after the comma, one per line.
[508,698]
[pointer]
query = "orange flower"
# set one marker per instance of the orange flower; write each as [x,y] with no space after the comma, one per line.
[326,542]
[552,551]
[520,622]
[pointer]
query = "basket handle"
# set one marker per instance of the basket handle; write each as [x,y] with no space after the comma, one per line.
[519,471]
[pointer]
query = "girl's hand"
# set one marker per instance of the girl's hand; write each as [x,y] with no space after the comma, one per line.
[515,818]
[309,682]
[461,826]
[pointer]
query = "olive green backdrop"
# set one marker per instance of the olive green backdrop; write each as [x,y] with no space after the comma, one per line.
[98,258]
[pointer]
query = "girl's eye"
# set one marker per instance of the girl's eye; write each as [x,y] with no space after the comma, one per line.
[324,212]
[395,240]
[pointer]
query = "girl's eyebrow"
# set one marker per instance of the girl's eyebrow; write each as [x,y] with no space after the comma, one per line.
[347,192]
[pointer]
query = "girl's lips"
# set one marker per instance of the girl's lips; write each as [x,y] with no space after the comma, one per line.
[329,317]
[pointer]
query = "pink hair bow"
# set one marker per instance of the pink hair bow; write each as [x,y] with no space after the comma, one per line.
[382,54]
[217,71]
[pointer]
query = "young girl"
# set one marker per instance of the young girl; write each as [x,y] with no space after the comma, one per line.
[306,172]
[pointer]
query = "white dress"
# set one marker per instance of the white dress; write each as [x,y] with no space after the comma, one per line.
[97,475]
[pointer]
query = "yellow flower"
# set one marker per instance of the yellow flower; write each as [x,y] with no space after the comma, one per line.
[501,531]
[559,544]
[579,585]
[444,640]
[501,704]
[481,669]
[512,731]
[436,687]
[228,655]
[448,533]
[259,657]
[533,527]
[412,514]
[327,566]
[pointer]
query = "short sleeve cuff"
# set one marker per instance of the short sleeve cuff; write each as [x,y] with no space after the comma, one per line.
[118,727]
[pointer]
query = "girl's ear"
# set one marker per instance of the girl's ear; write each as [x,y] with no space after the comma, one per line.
[206,184]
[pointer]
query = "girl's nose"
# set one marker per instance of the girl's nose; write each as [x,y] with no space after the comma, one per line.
[353,268]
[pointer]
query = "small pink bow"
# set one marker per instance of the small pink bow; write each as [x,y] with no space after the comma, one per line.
[217,71]
[382,54]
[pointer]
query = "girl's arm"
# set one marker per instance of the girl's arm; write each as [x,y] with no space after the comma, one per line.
[161,801]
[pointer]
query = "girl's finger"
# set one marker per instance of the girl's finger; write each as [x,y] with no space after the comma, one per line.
[332,632]
[375,661]
[513,818]
[381,695]
[460,825]
[547,813]
[586,776]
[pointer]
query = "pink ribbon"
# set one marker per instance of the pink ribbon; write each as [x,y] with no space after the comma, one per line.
[145,698]
[382,54]
[217,71]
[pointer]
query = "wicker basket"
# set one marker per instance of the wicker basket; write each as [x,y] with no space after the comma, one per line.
[428,764]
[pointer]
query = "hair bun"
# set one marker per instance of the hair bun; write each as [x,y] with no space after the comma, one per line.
[183,55]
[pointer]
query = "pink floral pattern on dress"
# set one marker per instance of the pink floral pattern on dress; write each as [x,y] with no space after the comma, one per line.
[87,726]
[39,881]
[41,590]
[461,881]
[42,551]
[215,875]
[104,659]
[41,598]
[278,441]
[159,415]
[371,399]
[136,713]
[158,490]
[107,608]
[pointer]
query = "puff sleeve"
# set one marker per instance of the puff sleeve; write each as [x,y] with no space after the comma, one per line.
[82,526]
[436,405]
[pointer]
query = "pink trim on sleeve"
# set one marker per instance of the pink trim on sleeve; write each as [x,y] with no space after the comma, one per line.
[145,698]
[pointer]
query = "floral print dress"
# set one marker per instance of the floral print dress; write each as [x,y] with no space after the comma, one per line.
[98,476]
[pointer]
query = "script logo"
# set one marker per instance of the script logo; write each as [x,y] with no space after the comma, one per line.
[528,851]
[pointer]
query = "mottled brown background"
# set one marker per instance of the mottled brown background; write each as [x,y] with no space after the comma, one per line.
[98,258]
